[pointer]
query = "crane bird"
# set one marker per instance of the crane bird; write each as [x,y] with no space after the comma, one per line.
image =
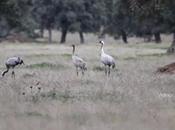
[11,63]
[107,60]
[78,62]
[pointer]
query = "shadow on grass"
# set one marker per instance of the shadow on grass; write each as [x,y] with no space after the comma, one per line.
[98,68]
[153,55]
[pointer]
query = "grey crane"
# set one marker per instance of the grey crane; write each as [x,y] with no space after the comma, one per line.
[106,59]
[11,63]
[78,62]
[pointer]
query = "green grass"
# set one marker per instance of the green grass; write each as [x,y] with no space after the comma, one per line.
[45,65]
[41,56]
[129,58]
[93,101]
[34,113]
[144,55]
[150,46]
[66,55]
[57,95]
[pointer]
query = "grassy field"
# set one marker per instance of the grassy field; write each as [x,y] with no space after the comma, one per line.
[132,98]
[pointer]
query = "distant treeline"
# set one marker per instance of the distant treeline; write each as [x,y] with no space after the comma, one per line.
[118,18]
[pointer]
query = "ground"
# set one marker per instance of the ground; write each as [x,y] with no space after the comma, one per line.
[133,97]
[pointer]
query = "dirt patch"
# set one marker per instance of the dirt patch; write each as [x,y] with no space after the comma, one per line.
[169,69]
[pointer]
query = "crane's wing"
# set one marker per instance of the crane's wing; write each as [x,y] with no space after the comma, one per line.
[107,59]
[12,61]
[78,61]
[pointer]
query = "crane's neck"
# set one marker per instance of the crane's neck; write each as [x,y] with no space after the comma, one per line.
[73,51]
[102,51]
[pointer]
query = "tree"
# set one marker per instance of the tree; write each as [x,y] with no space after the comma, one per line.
[147,13]
[15,15]
[119,20]
[122,19]
[169,21]
[44,12]
[90,17]
[78,16]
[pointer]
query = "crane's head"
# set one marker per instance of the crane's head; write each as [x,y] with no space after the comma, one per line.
[20,61]
[101,42]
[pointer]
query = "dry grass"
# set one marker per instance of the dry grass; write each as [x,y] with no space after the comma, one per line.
[132,98]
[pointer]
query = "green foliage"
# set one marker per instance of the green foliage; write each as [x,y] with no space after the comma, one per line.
[155,15]
[116,17]
[168,14]
[44,12]
[119,17]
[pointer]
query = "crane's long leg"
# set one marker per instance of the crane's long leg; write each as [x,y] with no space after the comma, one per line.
[13,73]
[82,70]
[106,71]
[77,70]
[109,70]
[4,72]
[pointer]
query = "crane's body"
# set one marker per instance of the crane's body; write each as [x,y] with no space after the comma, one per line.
[106,59]
[78,62]
[11,63]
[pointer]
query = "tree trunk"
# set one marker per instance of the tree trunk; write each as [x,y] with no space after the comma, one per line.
[124,36]
[50,35]
[81,37]
[147,34]
[147,38]
[171,49]
[157,37]
[63,35]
